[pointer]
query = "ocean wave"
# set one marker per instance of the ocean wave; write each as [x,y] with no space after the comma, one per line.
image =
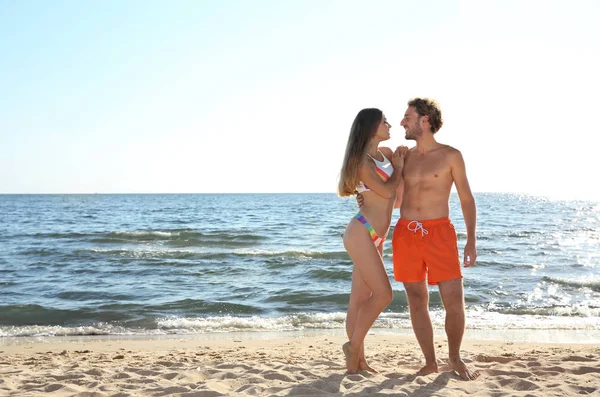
[481,318]
[301,298]
[33,315]
[198,306]
[117,314]
[331,274]
[295,254]
[502,265]
[182,238]
[177,237]
[74,236]
[144,253]
[228,323]
[56,330]
[591,283]
[500,235]
[272,258]
[41,252]
[94,296]
[559,311]
[478,319]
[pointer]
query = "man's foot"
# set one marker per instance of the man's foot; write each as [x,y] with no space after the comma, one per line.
[352,362]
[428,369]
[461,369]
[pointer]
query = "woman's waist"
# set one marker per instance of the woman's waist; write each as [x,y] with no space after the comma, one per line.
[372,202]
[379,219]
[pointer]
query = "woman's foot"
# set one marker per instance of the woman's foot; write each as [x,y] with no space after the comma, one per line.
[363,366]
[352,358]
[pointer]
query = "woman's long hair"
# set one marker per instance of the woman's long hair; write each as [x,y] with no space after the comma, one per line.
[363,129]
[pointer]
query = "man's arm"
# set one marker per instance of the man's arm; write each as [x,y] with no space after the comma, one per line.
[467,203]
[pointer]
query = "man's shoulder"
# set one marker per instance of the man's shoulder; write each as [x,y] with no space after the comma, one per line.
[449,149]
[453,156]
[450,155]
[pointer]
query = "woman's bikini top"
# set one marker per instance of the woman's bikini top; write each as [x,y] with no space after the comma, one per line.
[383,168]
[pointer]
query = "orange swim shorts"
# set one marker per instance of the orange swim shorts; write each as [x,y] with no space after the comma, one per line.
[425,250]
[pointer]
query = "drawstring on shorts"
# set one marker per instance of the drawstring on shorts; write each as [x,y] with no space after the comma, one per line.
[418,226]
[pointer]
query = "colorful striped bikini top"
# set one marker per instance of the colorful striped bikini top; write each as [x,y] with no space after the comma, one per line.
[383,168]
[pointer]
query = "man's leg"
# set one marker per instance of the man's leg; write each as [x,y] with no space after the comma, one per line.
[452,295]
[418,303]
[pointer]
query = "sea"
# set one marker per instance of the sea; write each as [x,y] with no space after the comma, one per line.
[222,264]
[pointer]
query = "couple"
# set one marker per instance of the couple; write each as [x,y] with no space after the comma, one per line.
[418,181]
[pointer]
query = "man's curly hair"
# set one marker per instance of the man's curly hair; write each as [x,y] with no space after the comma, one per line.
[429,107]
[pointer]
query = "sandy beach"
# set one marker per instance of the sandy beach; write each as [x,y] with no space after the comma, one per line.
[289,366]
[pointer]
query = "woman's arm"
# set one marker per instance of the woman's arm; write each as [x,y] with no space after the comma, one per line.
[385,189]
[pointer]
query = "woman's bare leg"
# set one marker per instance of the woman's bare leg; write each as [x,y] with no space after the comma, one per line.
[369,266]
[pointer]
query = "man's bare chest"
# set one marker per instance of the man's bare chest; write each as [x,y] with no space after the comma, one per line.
[419,169]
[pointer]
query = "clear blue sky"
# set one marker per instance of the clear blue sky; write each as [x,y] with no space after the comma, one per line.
[258,96]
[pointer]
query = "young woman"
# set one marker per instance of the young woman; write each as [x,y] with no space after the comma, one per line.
[375,172]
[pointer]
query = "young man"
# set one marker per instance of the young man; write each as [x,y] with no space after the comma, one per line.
[424,243]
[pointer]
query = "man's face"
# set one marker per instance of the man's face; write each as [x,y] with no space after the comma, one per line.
[412,124]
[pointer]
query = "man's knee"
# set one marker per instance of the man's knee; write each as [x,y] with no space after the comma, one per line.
[452,296]
[417,300]
[454,307]
[451,287]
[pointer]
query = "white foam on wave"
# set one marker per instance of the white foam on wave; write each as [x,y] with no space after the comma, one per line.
[263,252]
[57,330]
[477,319]
[156,233]
[255,323]
[587,282]
[143,252]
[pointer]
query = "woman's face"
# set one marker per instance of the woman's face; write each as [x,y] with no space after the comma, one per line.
[383,130]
